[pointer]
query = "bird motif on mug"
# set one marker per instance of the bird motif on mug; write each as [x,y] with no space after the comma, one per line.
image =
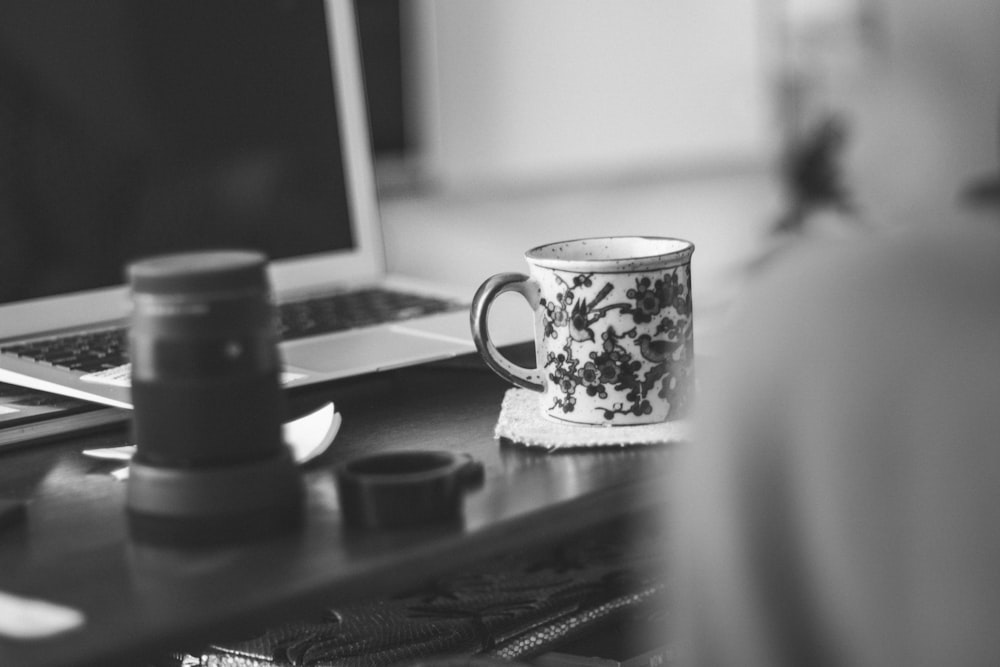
[657,351]
[584,316]
[580,323]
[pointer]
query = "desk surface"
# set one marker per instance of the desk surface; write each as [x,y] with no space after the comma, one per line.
[75,550]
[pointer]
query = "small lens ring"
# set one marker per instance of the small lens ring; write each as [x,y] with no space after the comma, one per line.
[406,488]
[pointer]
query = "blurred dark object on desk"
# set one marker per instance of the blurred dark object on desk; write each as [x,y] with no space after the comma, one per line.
[30,416]
[210,465]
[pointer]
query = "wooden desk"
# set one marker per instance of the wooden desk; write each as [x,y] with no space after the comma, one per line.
[138,600]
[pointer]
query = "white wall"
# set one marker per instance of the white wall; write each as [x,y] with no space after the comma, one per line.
[511,91]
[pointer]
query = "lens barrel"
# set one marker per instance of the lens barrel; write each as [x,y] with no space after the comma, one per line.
[207,399]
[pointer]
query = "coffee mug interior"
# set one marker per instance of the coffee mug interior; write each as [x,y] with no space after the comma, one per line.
[622,253]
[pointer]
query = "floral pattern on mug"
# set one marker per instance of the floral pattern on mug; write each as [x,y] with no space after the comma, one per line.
[620,345]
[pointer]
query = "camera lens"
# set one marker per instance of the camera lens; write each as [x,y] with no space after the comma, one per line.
[205,366]
[211,464]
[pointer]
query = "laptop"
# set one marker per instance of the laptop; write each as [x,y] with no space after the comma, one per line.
[138,129]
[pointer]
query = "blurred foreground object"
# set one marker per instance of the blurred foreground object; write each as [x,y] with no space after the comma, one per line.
[839,506]
[210,464]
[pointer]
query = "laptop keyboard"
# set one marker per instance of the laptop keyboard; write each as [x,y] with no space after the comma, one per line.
[88,352]
[350,310]
[95,351]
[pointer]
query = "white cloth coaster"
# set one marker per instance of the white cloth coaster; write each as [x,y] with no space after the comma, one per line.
[521,421]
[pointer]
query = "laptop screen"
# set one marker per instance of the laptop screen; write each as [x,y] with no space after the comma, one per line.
[129,129]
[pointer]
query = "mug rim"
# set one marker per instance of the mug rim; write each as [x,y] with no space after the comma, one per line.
[655,260]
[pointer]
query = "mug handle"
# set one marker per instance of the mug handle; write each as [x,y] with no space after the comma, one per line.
[529,378]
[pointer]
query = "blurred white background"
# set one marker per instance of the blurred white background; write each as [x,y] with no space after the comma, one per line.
[521,91]
[528,121]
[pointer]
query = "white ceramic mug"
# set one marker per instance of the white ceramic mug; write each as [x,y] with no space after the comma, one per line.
[614,338]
